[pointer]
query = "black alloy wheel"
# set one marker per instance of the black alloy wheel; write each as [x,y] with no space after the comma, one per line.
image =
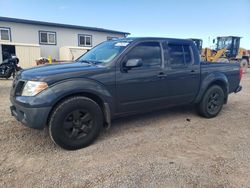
[75,122]
[78,124]
[212,102]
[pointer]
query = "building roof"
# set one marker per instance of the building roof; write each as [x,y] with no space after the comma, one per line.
[17,20]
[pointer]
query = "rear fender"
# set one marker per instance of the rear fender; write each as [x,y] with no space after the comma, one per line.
[216,78]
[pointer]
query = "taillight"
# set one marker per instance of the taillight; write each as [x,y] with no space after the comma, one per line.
[241,72]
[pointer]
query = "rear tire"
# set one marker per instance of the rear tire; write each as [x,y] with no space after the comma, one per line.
[212,102]
[75,123]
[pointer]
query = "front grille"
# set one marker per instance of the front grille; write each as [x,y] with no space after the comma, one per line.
[19,87]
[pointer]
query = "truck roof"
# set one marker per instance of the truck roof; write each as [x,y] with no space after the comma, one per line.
[153,38]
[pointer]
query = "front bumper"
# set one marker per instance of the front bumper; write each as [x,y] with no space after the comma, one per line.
[31,117]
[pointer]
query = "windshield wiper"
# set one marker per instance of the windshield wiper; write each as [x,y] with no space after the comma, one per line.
[86,61]
[92,62]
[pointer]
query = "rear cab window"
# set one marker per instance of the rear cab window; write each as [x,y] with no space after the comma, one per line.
[178,54]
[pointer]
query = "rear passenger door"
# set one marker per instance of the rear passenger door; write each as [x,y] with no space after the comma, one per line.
[183,74]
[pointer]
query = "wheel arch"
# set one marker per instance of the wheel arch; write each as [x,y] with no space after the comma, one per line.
[214,79]
[223,85]
[83,87]
[103,105]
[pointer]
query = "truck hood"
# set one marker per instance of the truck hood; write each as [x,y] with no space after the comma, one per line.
[59,71]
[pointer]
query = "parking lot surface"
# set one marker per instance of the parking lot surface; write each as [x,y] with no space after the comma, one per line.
[168,148]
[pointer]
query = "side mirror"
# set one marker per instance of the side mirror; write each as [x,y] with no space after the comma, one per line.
[132,63]
[213,41]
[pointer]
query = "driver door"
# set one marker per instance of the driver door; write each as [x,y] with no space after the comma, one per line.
[141,88]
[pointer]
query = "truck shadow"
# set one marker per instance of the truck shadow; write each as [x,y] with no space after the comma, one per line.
[122,124]
[40,141]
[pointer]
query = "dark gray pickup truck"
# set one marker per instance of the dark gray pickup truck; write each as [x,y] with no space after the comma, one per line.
[116,78]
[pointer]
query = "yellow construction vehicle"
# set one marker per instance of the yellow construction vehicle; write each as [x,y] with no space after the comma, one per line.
[227,50]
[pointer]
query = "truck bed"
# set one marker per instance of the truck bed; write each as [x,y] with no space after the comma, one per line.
[231,70]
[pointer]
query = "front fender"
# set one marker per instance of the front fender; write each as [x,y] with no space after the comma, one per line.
[59,90]
[75,86]
[206,82]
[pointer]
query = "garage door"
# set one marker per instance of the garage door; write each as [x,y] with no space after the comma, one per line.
[28,55]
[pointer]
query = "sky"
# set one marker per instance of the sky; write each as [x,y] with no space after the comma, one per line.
[153,18]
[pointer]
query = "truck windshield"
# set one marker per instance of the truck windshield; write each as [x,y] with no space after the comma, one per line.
[105,52]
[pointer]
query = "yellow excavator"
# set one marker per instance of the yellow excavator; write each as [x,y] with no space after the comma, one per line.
[227,50]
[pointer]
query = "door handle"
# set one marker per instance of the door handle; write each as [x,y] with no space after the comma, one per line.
[192,72]
[161,75]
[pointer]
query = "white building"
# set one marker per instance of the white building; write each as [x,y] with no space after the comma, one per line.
[29,40]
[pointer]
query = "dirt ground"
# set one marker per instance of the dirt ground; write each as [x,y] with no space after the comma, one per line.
[169,148]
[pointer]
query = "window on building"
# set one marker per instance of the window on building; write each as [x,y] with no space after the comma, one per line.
[85,40]
[47,37]
[111,38]
[4,34]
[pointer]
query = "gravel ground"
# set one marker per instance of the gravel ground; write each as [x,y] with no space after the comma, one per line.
[169,148]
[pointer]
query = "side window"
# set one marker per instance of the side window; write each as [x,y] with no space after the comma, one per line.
[188,54]
[148,52]
[178,54]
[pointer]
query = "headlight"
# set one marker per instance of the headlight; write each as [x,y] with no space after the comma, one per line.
[32,88]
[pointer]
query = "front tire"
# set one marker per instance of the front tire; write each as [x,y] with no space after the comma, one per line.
[212,102]
[75,123]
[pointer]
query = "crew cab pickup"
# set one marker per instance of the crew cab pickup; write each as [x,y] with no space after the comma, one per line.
[116,78]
